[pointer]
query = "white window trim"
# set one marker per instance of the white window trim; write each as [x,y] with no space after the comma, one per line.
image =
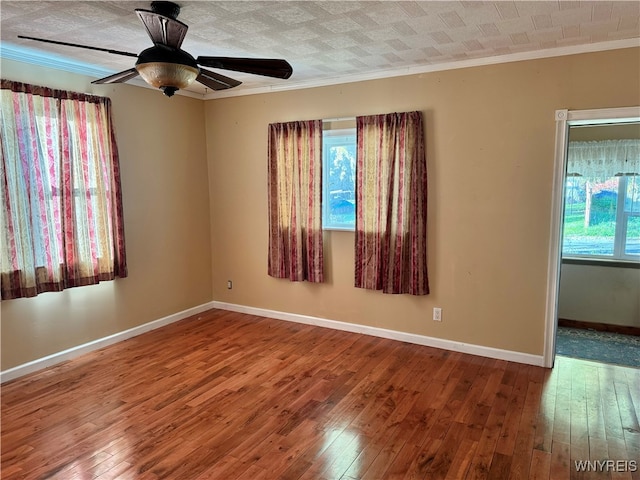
[563,119]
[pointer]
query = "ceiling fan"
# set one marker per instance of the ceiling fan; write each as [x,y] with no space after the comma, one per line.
[169,68]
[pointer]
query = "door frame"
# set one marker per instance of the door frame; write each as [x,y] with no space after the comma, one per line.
[564,119]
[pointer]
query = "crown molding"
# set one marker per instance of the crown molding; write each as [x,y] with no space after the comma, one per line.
[35,57]
[50,60]
[416,70]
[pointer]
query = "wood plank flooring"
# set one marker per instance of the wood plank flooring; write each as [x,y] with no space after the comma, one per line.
[230,396]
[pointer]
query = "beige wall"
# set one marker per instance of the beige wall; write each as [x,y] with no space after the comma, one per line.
[590,293]
[490,136]
[490,146]
[166,208]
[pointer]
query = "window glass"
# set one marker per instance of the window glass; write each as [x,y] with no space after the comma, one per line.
[632,245]
[602,218]
[590,216]
[632,196]
[632,211]
[339,193]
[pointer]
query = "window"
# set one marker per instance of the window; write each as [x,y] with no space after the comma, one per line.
[339,177]
[602,218]
[375,172]
[59,174]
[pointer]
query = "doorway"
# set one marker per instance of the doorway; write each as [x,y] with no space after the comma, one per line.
[568,124]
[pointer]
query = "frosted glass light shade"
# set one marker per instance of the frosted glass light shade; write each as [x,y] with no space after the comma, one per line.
[163,74]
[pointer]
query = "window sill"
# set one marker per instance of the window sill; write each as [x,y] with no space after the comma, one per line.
[338,229]
[601,262]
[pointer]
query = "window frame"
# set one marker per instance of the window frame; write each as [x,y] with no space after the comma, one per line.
[334,137]
[620,235]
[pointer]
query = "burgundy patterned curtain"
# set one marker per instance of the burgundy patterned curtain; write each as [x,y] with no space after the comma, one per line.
[295,201]
[391,204]
[61,214]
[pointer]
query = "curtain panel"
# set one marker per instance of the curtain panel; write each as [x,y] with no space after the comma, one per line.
[295,201]
[61,215]
[604,158]
[391,204]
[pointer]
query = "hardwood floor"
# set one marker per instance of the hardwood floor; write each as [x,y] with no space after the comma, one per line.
[230,396]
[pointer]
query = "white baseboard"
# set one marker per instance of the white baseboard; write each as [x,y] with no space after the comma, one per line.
[60,357]
[444,344]
[451,345]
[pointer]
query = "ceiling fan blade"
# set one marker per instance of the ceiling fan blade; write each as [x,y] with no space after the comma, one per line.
[269,67]
[215,81]
[161,29]
[118,77]
[56,42]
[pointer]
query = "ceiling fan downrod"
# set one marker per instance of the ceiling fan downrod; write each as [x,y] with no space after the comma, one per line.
[166,9]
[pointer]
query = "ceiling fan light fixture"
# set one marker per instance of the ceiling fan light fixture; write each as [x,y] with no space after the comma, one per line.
[167,67]
[163,74]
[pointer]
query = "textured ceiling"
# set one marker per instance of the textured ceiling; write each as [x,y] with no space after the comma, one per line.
[330,41]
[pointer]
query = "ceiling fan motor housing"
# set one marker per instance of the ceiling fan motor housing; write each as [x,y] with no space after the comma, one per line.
[166,68]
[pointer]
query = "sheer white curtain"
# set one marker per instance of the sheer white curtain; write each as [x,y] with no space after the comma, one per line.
[604,158]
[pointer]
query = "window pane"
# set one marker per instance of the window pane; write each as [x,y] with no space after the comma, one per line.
[340,174]
[632,197]
[590,216]
[632,245]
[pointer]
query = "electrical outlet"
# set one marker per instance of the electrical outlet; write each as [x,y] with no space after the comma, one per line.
[229,284]
[437,314]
